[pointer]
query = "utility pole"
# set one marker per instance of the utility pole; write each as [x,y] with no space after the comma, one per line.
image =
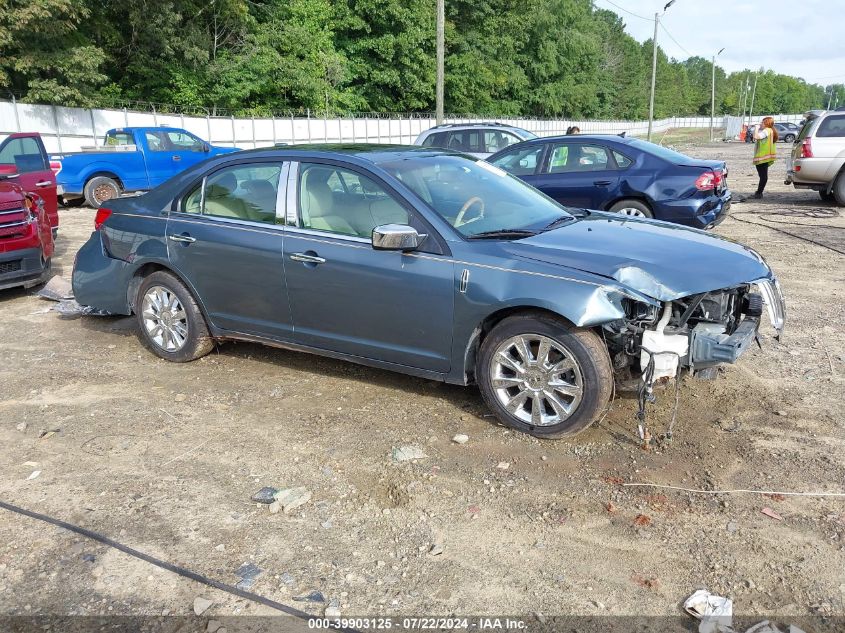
[654,68]
[753,94]
[441,53]
[713,94]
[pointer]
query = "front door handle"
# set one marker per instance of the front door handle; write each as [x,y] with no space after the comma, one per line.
[43,183]
[601,183]
[186,239]
[307,259]
[177,157]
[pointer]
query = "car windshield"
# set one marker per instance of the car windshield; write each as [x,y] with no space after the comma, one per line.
[662,152]
[475,197]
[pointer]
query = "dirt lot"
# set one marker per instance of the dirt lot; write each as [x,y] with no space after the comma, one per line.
[165,457]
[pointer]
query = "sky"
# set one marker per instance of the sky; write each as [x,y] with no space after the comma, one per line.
[803,39]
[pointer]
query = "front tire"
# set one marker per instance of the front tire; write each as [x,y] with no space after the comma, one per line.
[632,208]
[99,190]
[543,377]
[170,323]
[789,138]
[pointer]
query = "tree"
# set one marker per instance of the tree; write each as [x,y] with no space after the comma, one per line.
[43,54]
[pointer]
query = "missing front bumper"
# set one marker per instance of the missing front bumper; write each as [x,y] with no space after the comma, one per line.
[709,347]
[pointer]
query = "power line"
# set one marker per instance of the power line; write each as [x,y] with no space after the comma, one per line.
[674,40]
[636,15]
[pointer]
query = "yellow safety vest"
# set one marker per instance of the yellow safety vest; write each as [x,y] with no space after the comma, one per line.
[764,150]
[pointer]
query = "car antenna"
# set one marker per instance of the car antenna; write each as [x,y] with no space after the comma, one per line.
[622,134]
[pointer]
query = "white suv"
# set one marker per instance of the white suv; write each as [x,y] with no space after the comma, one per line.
[478,139]
[818,156]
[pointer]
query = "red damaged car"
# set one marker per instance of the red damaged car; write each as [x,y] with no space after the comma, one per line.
[26,237]
[29,217]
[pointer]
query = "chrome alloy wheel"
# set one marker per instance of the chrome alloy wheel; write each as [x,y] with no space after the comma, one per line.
[164,319]
[536,379]
[632,212]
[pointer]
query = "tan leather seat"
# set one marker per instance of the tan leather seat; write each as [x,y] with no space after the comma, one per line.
[317,203]
[221,201]
[260,202]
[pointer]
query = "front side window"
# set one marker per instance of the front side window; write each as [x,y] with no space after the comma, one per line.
[345,202]
[182,141]
[522,161]
[242,192]
[571,157]
[496,140]
[24,153]
[476,197]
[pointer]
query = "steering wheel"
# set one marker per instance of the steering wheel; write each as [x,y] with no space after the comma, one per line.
[475,200]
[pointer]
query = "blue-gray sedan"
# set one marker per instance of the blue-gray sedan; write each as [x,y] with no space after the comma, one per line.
[428,263]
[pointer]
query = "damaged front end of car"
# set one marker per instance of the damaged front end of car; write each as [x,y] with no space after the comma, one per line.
[654,344]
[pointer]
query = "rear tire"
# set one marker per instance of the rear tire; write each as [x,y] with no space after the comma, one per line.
[838,190]
[170,323]
[633,208]
[564,382]
[789,138]
[99,190]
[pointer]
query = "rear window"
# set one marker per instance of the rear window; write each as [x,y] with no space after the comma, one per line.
[663,152]
[119,138]
[832,126]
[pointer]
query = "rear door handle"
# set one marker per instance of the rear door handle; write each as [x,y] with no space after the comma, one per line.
[43,183]
[186,239]
[601,183]
[308,259]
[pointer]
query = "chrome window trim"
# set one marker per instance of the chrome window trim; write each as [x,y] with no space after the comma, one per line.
[298,231]
[246,225]
[291,197]
[281,193]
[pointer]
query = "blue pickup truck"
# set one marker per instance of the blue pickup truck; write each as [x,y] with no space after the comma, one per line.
[131,160]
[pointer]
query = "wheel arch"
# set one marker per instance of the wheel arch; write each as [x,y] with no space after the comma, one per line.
[486,325]
[106,174]
[148,268]
[638,197]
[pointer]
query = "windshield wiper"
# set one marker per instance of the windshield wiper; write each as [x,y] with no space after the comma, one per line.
[515,234]
[556,223]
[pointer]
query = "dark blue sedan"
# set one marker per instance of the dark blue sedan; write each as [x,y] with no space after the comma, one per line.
[424,262]
[622,175]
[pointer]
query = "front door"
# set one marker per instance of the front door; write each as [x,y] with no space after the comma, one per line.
[226,240]
[578,174]
[27,153]
[169,152]
[349,298]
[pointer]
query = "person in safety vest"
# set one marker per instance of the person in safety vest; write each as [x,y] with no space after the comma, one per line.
[764,152]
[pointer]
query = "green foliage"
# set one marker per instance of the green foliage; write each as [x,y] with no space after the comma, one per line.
[564,58]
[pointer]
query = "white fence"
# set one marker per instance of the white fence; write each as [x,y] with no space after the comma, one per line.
[69,129]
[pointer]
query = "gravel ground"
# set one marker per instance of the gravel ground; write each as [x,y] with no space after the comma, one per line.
[165,457]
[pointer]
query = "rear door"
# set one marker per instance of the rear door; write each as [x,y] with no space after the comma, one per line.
[225,237]
[578,174]
[26,152]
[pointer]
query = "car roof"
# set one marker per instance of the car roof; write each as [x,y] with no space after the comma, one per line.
[444,126]
[616,138]
[374,153]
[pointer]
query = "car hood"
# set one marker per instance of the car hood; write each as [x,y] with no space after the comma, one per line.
[663,261]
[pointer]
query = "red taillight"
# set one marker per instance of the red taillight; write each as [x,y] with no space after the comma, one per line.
[103,214]
[56,166]
[806,148]
[708,180]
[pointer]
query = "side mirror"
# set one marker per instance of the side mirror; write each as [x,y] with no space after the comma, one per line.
[206,148]
[396,237]
[8,171]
